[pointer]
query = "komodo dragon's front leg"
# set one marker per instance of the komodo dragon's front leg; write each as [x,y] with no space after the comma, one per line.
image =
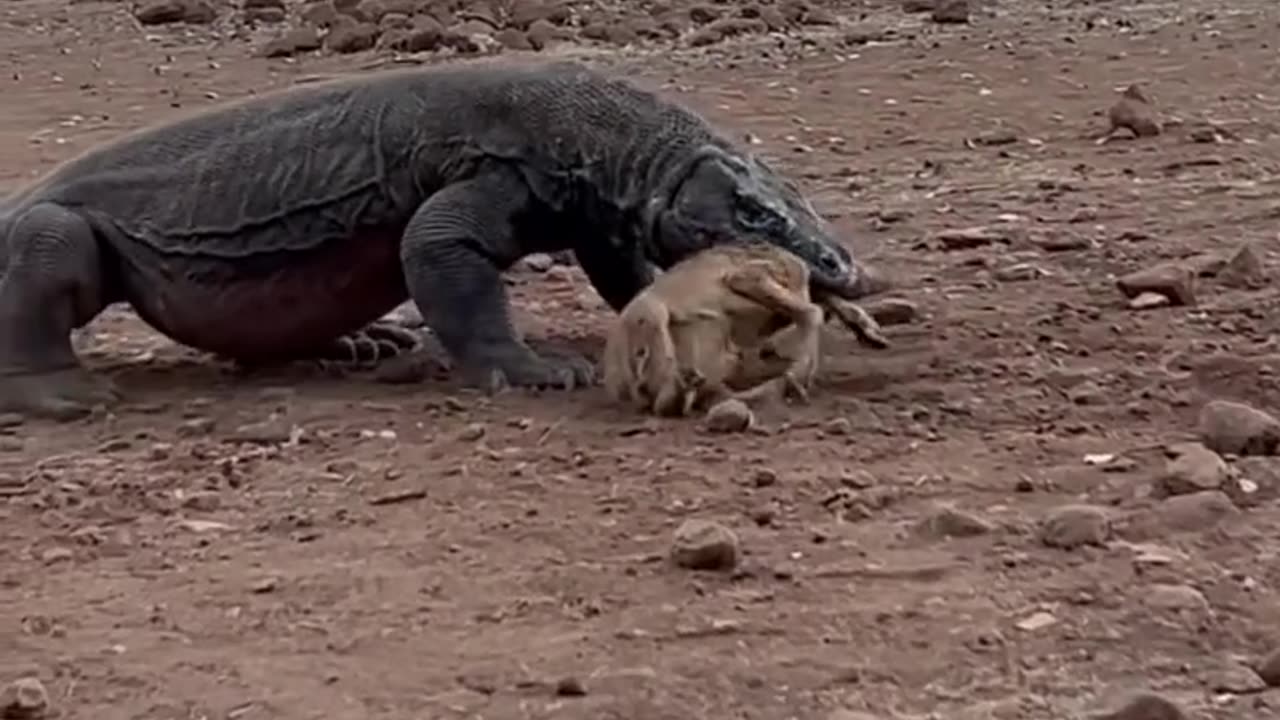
[453,252]
[617,273]
[53,284]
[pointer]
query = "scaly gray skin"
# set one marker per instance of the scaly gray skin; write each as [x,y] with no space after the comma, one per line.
[265,230]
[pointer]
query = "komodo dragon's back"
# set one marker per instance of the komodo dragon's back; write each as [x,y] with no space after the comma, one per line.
[295,167]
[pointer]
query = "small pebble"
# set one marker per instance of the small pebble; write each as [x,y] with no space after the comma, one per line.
[570,687]
[892,311]
[264,585]
[1175,598]
[730,416]
[24,699]
[764,477]
[948,521]
[1145,706]
[1072,526]
[472,432]
[1269,669]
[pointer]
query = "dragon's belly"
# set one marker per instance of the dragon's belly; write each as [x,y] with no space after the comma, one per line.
[265,308]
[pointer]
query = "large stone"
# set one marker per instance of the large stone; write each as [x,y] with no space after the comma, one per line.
[1194,468]
[705,545]
[1231,427]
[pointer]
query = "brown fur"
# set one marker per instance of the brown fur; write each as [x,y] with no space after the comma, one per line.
[731,321]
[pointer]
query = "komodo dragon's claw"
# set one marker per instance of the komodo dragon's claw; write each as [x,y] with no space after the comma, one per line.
[61,395]
[374,344]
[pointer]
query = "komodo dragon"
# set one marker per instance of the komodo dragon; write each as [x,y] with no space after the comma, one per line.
[265,229]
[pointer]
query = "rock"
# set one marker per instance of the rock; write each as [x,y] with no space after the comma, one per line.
[1269,669]
[162,12]
[1145,706]
[951,12]
[1072,526]
[918,6]
[1174,281]
[570,687]
[1233,676]
[513,39]
[1175,598]
[265,15]
[1187,513]
[273,431]
[819,17]
[195,427]
[764,477]
[947,521]
[842,714]
[1255,480]
[1019,272]
[1037,621]
[264,585]
[1087,393]
[523,13]
[1244,268]
[56,555]
[971,237]
[705,545]
[1149,301]
[468,38]
[729,416]
[725,28]
[1235,428]
[543,33]
[472,432]
[892,311]
[1194,468]
[320,14]
[703,14]
[24,699]
[347,39]
[395,21]
[202,501]
[372,11]
[425,36]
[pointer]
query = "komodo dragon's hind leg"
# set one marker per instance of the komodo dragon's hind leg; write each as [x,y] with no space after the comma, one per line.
[452,253]
[375,343]
[52,285]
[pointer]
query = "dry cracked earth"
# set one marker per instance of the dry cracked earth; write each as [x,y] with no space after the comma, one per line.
[1055,496]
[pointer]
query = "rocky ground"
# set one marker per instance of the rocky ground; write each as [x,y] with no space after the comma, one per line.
[1054,497]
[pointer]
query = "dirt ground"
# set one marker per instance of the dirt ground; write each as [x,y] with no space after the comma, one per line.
[297,545]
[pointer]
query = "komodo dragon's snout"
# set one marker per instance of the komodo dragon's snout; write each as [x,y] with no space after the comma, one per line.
[724,197]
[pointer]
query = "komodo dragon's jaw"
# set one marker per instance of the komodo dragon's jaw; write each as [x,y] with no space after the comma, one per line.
[722,196]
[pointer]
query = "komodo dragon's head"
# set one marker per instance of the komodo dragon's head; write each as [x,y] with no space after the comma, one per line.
[720,197]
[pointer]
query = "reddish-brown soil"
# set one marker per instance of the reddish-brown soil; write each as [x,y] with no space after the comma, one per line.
[366,550]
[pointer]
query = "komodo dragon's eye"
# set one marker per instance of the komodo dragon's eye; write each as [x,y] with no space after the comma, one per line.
[754,215]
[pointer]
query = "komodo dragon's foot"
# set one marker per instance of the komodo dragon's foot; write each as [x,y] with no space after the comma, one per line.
[60,395]
[371,345]
[522,367]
